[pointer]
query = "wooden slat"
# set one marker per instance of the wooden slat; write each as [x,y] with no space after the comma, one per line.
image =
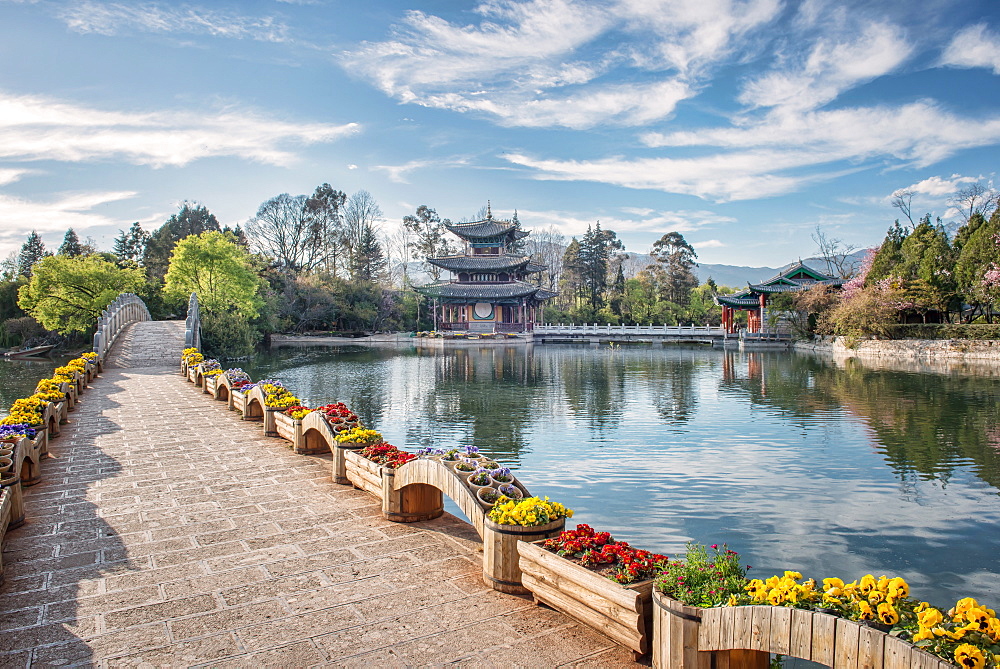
[870,648]
[725,634]
[781,630]
[586,598]
[800,641]
[845,653]
[606,589]
[554,597]
[708,632]
[760,627]
[742,629]
[895,653]
[823,638]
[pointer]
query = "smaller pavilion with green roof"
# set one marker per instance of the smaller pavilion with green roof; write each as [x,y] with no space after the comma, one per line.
[793,279]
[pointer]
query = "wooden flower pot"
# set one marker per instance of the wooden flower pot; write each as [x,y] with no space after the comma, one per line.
[501,562]
[622,612]
[686,637]
[210,385]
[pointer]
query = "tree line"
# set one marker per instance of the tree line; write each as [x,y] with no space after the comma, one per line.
[920,273]
[322,262]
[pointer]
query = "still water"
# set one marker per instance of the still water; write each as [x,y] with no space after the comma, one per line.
[18,378]
[793,460]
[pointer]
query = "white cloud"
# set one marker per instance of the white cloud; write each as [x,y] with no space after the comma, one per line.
[397,173]
[708,244]
[352,166]
[974,46]
[38,128]
[938,186]
[69,210]
[834,64]
[9,176]
[721,176]
[783,151]
[575,224]
[549,62]
[114,18]
[689,35]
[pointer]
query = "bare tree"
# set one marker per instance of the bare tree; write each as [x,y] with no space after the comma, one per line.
[975,199]
[902,199]
[547,247]
[836,254]
[301,233]
[361,218]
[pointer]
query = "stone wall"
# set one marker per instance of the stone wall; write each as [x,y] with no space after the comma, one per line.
[914,354]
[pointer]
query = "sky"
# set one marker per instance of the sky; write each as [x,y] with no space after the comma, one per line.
[742,124]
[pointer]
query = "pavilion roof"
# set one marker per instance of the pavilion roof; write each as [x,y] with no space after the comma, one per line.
[488,227]
[465,263]
[482,291]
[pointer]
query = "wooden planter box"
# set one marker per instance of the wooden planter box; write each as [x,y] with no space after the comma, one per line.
[622,612]
[211,383]
[363,473]
[686,637]
[248,404]
[289,429]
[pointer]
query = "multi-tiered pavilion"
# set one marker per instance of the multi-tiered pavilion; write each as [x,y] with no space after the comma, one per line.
[793,279]
[489,289]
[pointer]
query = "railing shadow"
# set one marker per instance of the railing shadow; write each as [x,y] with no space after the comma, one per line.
[55,563]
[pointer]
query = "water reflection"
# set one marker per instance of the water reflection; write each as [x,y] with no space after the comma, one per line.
[793,460]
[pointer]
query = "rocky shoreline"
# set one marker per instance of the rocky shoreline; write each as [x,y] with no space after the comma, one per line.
[928,355]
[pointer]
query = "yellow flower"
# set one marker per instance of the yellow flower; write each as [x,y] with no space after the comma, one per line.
[732,601]
[929,617]
[774,597]
[969,656]
[794,575]
[867,584]
[865,611]
[887,614]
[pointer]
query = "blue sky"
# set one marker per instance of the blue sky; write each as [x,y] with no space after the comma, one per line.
[741,124]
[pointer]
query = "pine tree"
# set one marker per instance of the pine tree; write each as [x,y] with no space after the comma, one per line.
[192,219]
[71,246]
[130,247]
[32,251]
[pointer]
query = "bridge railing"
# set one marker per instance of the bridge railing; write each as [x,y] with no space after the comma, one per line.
[660,330]
[127,308]
[192,326]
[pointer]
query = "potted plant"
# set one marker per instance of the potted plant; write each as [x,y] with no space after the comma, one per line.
[511,521]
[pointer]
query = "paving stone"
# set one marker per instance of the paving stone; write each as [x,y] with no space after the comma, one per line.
[166,532]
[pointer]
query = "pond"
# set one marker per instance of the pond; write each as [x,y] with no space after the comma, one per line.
[18,378]
[791,459]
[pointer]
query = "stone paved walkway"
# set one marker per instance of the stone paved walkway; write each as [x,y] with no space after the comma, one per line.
[165,532]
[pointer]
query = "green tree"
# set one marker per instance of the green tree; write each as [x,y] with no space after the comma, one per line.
[213,265]
[192,219]
[66,294]
[980,254]
[32,251]
[596,250]
[429,238]
[571,278]
[71,245]
[129,247]
[676,258]
[889,256]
